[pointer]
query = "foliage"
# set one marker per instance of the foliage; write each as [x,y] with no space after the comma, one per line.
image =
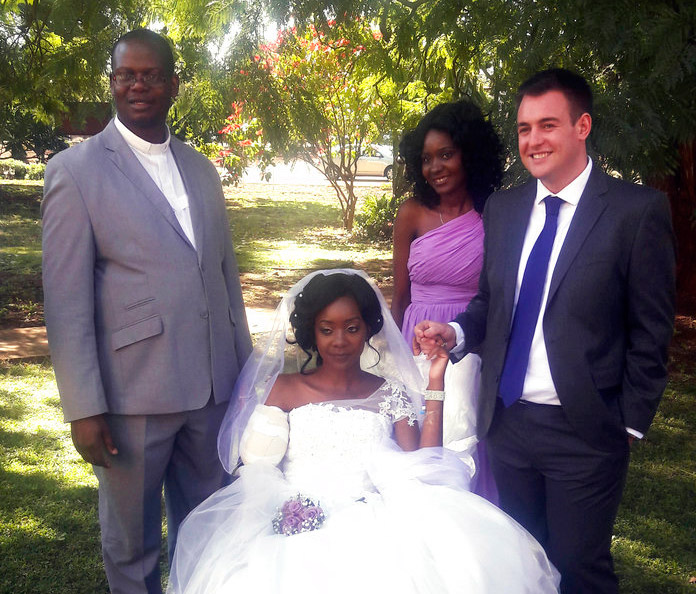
[310,95]
[639,57]
[204,95]
[243,145]
[55,55]
[13,169]
[376,219]
[21,132]
[56,51]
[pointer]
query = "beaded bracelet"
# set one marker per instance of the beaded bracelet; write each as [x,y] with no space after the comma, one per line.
[434,395]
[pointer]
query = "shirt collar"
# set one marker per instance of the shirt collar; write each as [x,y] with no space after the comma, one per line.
[140,145]
[572,192]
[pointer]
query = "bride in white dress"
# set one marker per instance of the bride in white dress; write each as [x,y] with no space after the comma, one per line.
[333,441]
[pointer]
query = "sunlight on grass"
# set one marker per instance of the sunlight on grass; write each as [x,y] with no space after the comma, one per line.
[49,536]
[291,254]
[647,570]
[21,182]
[281,233]
[50,447]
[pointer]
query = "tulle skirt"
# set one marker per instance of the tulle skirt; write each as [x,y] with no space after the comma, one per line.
[416,530]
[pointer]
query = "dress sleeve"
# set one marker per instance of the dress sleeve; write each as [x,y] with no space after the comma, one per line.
[396,404]
[265,439]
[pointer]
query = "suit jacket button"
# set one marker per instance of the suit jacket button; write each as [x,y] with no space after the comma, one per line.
[204,315]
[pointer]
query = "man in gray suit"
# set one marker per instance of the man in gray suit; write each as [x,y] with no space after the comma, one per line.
[144,312]
[574,343]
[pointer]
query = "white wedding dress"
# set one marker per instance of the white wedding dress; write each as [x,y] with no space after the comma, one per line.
[395,521]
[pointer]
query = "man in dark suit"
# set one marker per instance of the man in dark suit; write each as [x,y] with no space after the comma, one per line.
[144,312]
[573,318]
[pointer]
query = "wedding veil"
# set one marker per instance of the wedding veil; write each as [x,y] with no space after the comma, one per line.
[389,357]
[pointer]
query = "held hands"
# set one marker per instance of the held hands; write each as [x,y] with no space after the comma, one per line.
[92,439]
[430,336]
[433,340]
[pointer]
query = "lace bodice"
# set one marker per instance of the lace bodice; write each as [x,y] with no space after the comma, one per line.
[330,447]
[325,448]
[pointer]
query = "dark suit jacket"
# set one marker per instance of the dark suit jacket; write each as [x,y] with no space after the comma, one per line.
[139,322]
[610,311]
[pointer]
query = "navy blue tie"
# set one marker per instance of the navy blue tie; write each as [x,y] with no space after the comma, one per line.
[528,305]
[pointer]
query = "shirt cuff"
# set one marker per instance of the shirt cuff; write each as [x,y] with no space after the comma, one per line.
[459,346]
[636,434]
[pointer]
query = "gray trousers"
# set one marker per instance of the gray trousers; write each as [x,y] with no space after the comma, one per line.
[177,451]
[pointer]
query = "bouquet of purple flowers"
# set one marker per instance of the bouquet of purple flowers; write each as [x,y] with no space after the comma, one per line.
[298,514]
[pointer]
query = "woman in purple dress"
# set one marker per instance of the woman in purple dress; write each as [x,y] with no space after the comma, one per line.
[454,160]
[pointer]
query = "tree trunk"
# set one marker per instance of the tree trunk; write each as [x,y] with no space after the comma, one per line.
[680,187]
[400,185]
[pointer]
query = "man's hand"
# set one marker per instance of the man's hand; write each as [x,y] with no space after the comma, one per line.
[429,336]
[92,439]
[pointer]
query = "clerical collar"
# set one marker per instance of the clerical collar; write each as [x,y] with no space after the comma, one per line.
[140,145]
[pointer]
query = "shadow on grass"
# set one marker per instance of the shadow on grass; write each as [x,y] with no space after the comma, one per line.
[25,193]
[656,526]
[30,446]
[21,293]
[45,519]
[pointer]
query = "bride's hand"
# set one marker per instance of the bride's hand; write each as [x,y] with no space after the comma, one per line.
[438,363]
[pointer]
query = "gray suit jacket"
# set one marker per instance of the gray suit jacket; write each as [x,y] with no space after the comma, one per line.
[610,310]
[139,322]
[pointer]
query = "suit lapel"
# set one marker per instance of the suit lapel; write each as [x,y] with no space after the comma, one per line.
[193,191]
[518,210]
[123,158]
[591,205]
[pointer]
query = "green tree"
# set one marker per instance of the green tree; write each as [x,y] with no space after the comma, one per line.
[20,132]
[310,95]
[55,54]
[55,51]
[639,56]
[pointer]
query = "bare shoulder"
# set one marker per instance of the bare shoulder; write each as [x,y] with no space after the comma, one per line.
[410,211]
[287,391]
[409,220]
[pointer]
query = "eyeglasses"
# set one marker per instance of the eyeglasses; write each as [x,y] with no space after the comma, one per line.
[151,79]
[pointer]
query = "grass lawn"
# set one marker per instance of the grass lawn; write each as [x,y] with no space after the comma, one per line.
[21,297]
[49,536]
[280,233]
[283,232]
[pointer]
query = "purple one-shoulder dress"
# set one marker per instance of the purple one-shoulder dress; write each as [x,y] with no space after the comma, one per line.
[444,266]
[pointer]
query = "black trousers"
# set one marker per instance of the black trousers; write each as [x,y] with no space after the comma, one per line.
[561,489]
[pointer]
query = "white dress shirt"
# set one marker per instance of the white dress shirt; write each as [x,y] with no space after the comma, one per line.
[538,383]
[160,165]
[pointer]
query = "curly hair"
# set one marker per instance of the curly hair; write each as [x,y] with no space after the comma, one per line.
[321,292]
[473,135]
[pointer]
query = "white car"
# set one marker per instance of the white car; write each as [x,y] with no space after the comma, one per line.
[376,161]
